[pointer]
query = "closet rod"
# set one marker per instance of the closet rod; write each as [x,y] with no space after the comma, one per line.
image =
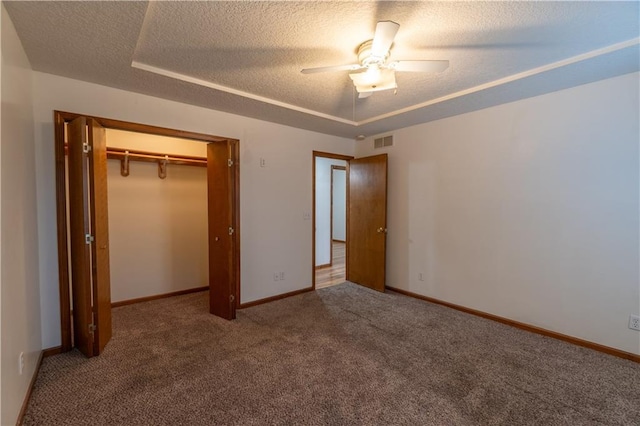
[153,157]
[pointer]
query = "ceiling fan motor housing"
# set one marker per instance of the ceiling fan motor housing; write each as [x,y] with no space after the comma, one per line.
[367,58]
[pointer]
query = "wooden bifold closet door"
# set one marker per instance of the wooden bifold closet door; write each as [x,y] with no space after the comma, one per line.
[221,183]
[89,235]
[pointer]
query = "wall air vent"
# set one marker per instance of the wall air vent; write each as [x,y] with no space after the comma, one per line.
[382,142]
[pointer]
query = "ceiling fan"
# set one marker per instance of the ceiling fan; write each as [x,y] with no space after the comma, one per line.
[373,73]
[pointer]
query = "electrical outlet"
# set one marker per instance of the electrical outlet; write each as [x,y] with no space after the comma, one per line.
[281,276]
[420,277]
[20,363]
[634,322]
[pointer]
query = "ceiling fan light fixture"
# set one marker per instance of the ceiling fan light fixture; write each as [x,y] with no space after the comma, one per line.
[374,79]
[372,75]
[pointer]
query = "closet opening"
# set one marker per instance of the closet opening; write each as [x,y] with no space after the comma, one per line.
[143,212]
[158,224]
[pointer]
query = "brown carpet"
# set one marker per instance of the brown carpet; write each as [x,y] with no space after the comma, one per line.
[342,355]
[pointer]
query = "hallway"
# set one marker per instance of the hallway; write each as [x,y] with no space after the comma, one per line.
[335,273]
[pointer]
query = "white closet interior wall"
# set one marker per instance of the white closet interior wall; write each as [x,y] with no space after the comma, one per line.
[157,227]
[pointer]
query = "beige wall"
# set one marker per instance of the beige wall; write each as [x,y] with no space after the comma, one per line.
[20,309]
[274,234]
[157,227]
[527,210]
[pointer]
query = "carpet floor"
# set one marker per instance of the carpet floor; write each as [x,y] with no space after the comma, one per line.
[342,355]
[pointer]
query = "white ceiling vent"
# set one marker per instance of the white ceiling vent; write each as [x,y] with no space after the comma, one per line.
[382,142]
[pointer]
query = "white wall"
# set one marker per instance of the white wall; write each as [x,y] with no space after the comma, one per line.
[157,227]
[527,210]
[323,208]
[274,198]
[21,330]
[339,231]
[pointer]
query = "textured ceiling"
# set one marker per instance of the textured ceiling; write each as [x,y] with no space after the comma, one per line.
[245,57]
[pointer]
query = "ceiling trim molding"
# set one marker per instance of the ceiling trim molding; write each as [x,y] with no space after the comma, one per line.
[205,83]
[509,79]
[525,74]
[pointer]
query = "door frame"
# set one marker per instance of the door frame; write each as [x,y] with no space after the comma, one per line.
[59,120]
[313,208]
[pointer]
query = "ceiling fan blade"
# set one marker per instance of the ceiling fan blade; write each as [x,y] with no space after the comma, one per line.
[420,66]
[350,67]
[383,38]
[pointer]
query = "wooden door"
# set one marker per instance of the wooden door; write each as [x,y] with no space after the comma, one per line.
[100,231]
[79,228]
[221,183]
[89,236]
[367,221]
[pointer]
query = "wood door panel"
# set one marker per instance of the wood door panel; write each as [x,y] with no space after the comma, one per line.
[100,231]
[79,227]
[221,197]
[367,221]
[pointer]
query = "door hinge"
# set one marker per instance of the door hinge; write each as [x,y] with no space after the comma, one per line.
[86,147]
[231,298]
[88,238]
[92,328]
[231,231]
[230,162]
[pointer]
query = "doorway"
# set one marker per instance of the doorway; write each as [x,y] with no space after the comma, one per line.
[88,162]
[366,221]
[329,218]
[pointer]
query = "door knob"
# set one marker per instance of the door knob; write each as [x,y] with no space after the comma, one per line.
[382,230]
